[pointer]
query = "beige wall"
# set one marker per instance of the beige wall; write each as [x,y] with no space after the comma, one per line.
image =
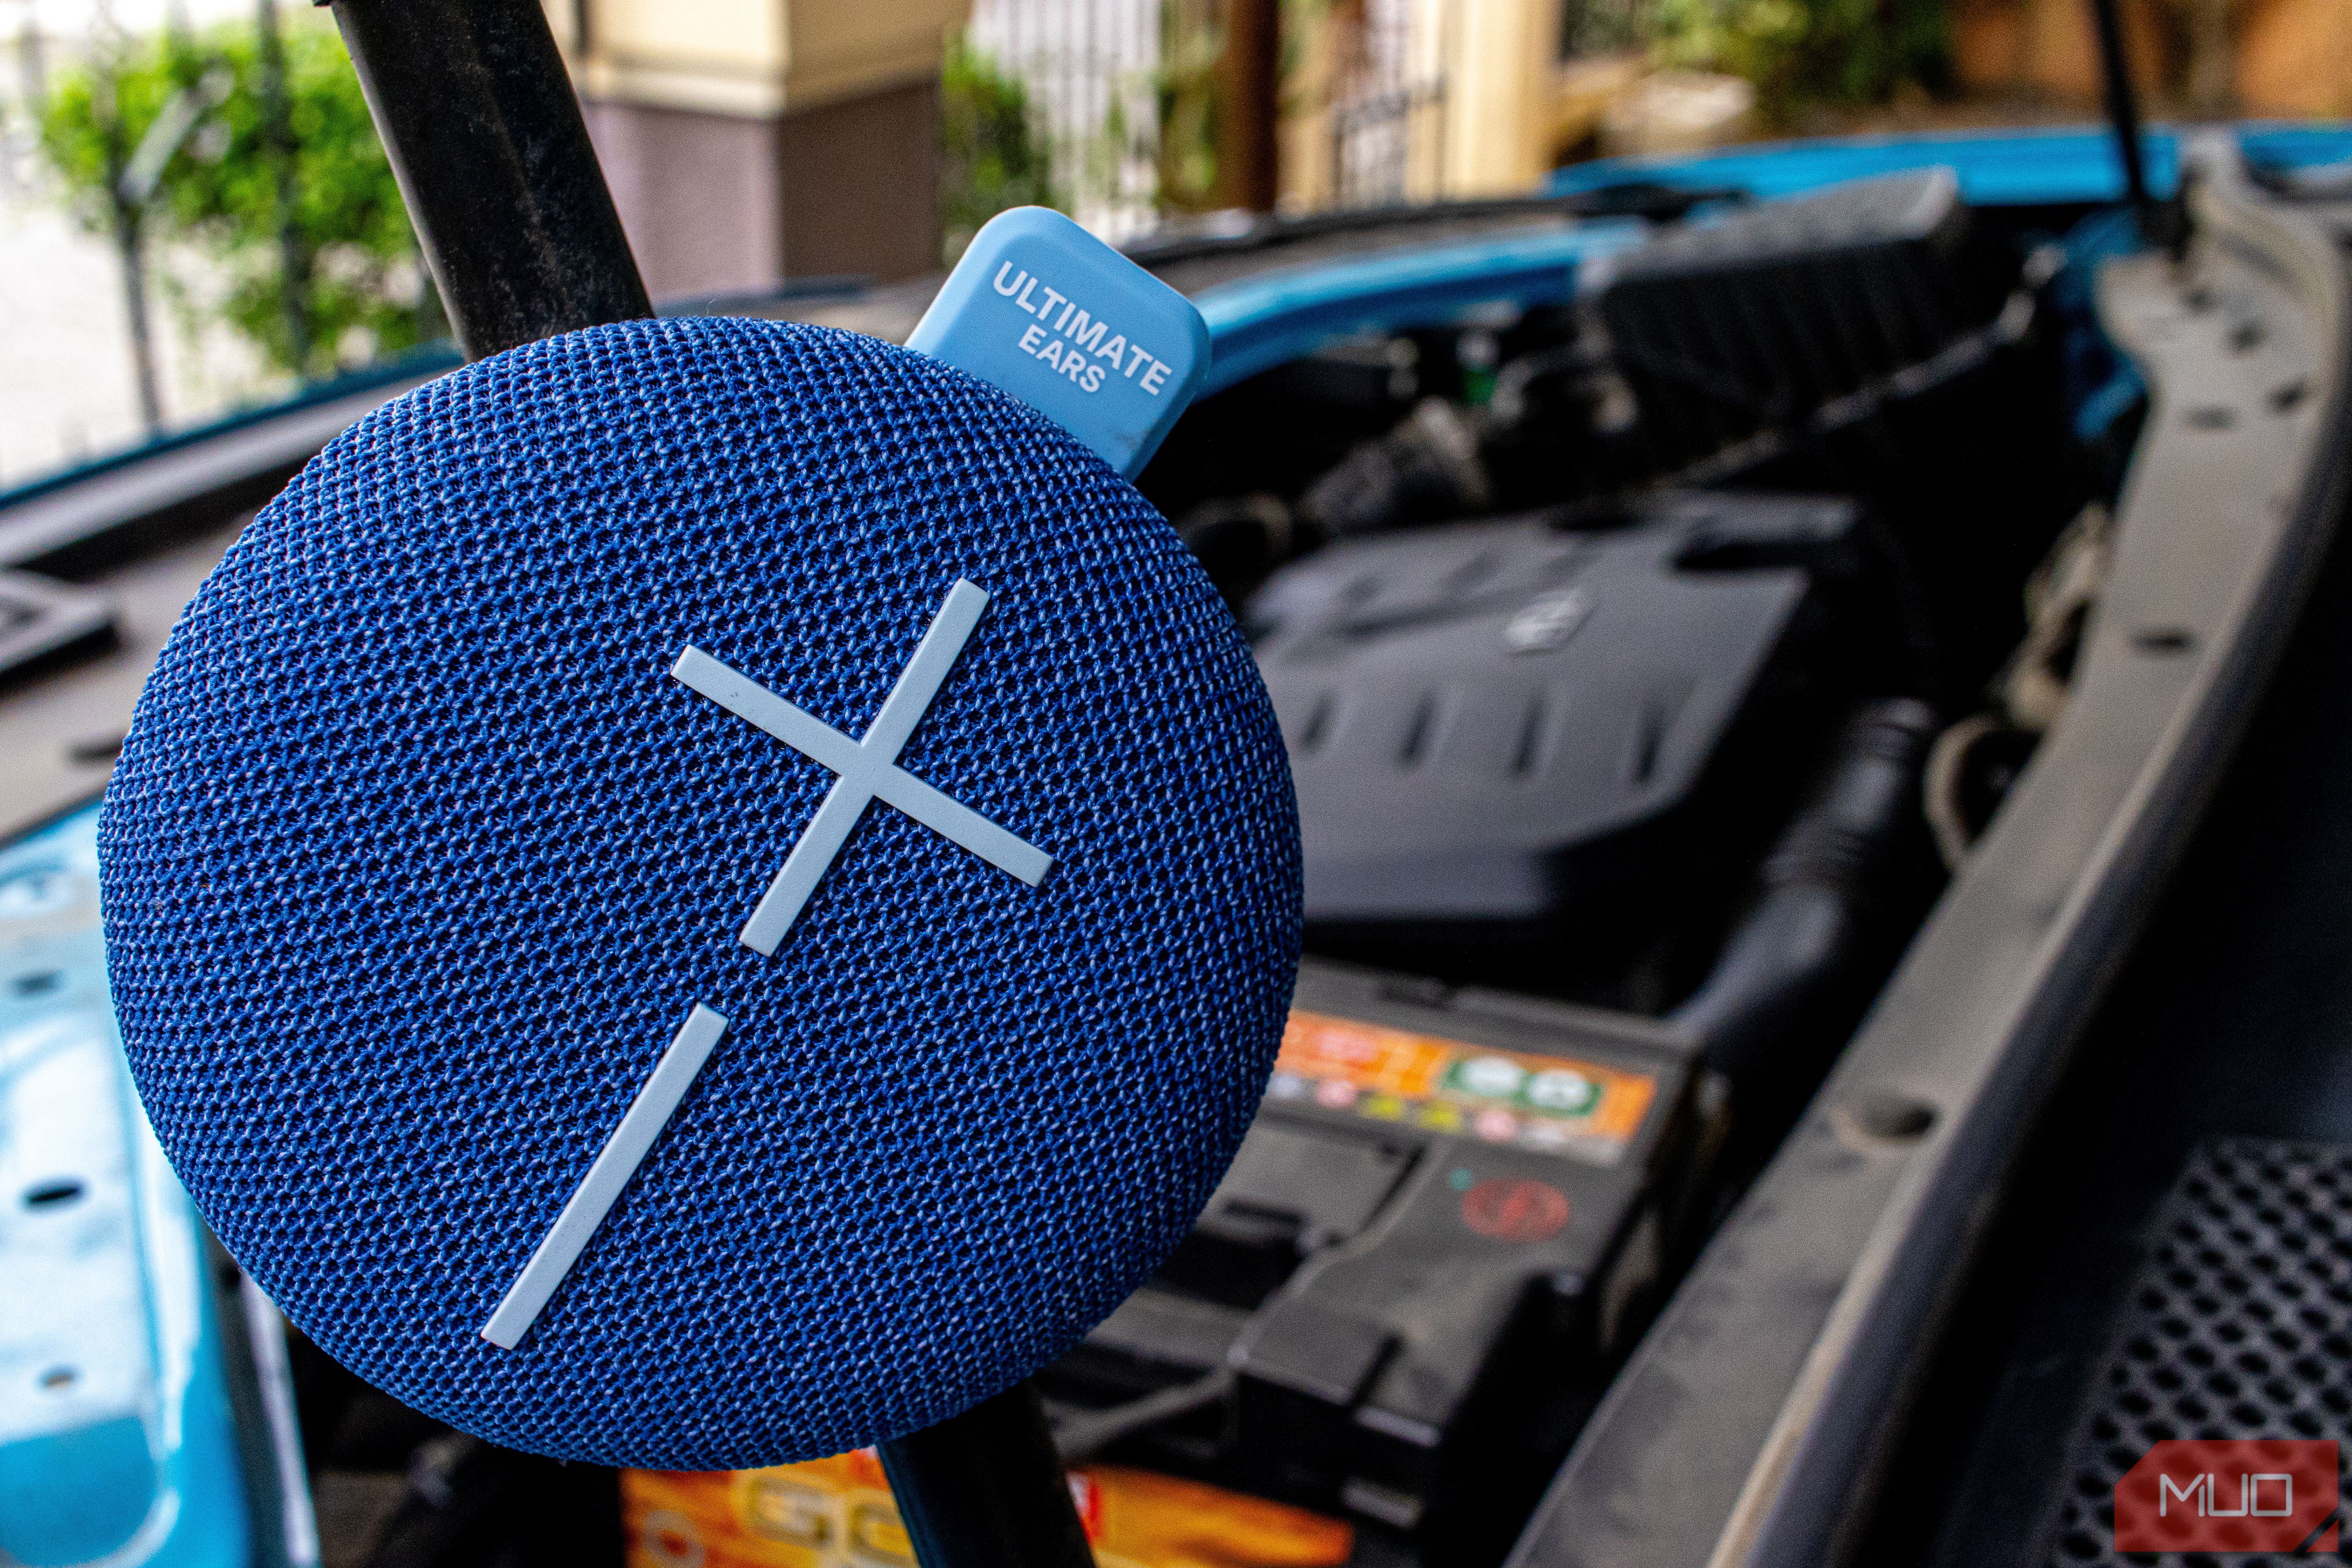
[2294,58]
[718,57]
[699,194]
[1498,95]
[1481,80]
[751,140]
[2289,58]
[760,58]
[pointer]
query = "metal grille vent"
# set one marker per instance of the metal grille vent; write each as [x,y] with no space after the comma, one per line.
[2239,1325]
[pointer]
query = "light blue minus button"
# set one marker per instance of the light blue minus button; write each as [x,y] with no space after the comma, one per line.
[1062,322]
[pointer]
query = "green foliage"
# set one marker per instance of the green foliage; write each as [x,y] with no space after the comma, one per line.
[1589,28]
[1191,49]
[991,157]
[366,293]
[1842,52]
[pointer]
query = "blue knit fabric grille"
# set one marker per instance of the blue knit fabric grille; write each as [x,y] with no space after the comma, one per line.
[416,858]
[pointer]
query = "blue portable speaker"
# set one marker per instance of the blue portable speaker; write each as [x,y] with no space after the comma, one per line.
[702,893]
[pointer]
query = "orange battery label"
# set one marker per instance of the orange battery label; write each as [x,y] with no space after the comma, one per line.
[1559,1104]
[838,1514]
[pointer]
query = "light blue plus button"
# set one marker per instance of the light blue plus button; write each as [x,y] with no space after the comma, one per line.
[867,770]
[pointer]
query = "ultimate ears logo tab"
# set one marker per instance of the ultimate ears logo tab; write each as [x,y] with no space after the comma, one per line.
[2245,1495]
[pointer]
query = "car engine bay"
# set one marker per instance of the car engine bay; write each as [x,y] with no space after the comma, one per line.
[1655,661]
[1615,648]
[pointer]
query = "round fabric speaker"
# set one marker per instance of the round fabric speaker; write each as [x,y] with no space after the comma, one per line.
[702,893]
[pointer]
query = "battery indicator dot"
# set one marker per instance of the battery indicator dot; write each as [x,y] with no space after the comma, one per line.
[1563,1091]
[1336,1093]
[1495,1126]
[1496,1077]
[1462,1181]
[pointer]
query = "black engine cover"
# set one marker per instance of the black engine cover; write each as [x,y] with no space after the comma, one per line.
[1488,724]
[1760,318]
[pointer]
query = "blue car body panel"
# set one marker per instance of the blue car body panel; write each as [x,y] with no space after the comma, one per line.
[1259,321]
[117,1446]
[2008,168]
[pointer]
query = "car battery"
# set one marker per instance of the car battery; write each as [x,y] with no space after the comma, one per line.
[840,1512]
[1436,1237]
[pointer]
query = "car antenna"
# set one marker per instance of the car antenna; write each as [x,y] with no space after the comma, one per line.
[2161,223]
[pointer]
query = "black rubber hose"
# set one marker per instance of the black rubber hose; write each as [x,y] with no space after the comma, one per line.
[1847,853]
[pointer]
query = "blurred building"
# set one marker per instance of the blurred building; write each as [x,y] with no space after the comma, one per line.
[749,141]
[1394,101]
[1376,100]
[1092,70]
[2287,60]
